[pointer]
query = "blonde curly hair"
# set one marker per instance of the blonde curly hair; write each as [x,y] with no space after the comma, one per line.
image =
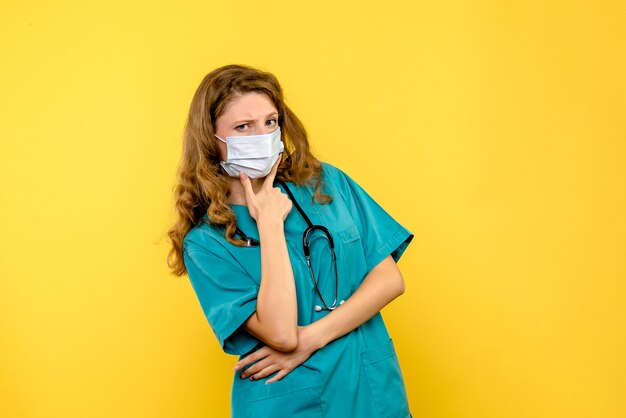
[202,185]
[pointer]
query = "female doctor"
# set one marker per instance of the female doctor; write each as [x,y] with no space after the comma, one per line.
[290,259]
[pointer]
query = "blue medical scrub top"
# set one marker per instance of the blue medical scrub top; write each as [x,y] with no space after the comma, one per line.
[356,375]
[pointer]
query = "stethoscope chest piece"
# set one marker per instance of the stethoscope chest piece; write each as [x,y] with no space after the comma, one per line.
[318,308]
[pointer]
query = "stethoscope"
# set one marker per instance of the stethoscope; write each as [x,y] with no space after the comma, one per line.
[252,242]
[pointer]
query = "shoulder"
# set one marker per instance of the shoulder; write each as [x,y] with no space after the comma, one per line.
[337,177]
[328,168]
[332,173]
[203,236]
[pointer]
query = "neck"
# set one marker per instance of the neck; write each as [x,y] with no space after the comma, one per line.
[237,192]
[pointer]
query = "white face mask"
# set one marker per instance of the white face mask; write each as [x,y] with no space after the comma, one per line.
[254,155]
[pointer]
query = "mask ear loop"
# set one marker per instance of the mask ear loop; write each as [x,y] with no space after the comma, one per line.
[222,141]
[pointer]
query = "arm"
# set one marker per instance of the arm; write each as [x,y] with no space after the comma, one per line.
[383,284]
[275,321]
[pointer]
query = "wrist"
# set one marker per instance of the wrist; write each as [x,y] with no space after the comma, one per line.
[318,337]
[270,225]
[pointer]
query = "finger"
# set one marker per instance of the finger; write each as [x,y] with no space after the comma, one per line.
[254,357]
[257,355]
[278,376]
[255,368]
[269,180]
[269,370]
[247,187]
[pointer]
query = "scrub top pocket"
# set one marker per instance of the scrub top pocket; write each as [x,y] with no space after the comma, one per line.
[297,394]
[350,257]
[384,377]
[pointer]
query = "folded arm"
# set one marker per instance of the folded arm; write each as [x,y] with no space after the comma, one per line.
[383,284]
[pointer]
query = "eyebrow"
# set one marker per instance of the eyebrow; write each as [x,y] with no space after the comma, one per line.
[252,120]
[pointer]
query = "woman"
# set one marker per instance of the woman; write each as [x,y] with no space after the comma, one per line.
[295,293]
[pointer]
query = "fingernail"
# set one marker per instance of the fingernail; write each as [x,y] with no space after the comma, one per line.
[236,367]
[251,377]
[241,376]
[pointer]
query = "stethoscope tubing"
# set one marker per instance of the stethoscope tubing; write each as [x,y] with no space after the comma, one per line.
[252,242]
[307,251]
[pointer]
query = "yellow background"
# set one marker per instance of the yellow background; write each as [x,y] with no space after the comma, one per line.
[495,131]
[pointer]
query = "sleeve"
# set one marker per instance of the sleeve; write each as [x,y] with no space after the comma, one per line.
[227,295]
[381,234]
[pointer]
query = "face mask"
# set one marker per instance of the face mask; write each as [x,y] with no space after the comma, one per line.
[254,155]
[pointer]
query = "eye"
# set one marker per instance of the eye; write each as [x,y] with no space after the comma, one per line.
[270,122]
[241,127]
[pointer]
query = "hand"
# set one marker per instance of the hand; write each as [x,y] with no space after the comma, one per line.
[270,361]
[269,201]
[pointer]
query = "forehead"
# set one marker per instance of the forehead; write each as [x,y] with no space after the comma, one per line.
[251,105]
